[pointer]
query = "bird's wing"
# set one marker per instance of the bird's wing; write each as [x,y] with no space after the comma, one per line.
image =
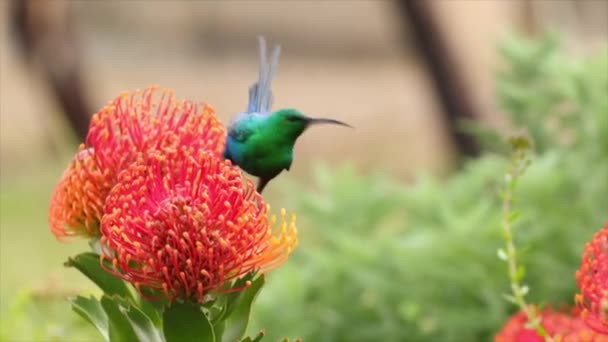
[260,93]
[245,125]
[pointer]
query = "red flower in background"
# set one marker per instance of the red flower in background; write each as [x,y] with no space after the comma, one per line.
[592,280]
[561,326]
[184,222]
[133,123]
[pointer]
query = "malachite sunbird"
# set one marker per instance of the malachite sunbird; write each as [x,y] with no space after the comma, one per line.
[259,140]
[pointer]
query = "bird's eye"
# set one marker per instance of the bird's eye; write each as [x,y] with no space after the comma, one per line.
[293,118]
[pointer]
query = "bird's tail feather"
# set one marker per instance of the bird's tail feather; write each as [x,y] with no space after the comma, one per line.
[260,93]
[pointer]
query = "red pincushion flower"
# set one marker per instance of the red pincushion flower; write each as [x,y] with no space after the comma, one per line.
[561,326]
[592,280]
[185,223]
[132,123]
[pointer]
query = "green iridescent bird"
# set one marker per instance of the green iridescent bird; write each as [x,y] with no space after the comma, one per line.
[260,141]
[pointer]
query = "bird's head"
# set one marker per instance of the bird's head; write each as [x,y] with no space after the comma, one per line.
[293,123]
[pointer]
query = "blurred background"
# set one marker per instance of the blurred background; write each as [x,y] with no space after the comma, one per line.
[404,74]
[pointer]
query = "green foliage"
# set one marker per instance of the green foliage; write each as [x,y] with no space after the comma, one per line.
[239,310]
[187,322]
[122,315]
[41,315]
[380,260]
[91,310]
[89,265]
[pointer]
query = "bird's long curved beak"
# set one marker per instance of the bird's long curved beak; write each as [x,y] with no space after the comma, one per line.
[316,121]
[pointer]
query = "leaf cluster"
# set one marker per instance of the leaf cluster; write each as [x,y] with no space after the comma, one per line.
[122,314]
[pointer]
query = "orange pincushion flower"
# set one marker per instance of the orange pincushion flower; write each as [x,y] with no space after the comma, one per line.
[76,205]
[185,223]
[592,280]
[561,326]
[132,123]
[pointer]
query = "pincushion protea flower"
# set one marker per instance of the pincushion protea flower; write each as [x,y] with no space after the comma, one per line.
[185,223]
[130,124]
[592,280]
[76,205]
[561,326]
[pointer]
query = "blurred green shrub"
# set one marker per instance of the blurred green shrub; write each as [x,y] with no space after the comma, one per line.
[382,261]
[42,315]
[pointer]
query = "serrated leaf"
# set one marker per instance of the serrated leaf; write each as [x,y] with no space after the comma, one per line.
[88,264]
[187,322]
[217,310]
[233,298]
[91,310]
[141,323]
[153,309]
[119,326]
[237,321]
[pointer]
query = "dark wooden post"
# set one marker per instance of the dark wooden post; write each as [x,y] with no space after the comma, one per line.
[52,46]
[447,78]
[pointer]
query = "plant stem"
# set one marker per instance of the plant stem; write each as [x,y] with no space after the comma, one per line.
[519,162]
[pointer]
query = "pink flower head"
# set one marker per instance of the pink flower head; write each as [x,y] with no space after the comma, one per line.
[185,222]
[561,326]
[592,280]
[133,123]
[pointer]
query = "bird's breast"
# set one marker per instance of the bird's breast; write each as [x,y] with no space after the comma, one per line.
[260,159]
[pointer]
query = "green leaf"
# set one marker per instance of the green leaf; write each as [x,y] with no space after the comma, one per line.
[187,322]
[89,265]
[141,324]
[502,255]
[509,298]
[234,297]
[217,308]
[153,309]
[257,338]
[219,329]
[520,273]
[120,327]
[513,216]
[91,310]
[237,321]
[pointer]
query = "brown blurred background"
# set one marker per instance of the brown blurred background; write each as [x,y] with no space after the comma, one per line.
[354,60]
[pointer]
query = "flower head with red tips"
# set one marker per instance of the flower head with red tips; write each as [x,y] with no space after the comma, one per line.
[133,123]
[184,222]
[561,326]
[592,279]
